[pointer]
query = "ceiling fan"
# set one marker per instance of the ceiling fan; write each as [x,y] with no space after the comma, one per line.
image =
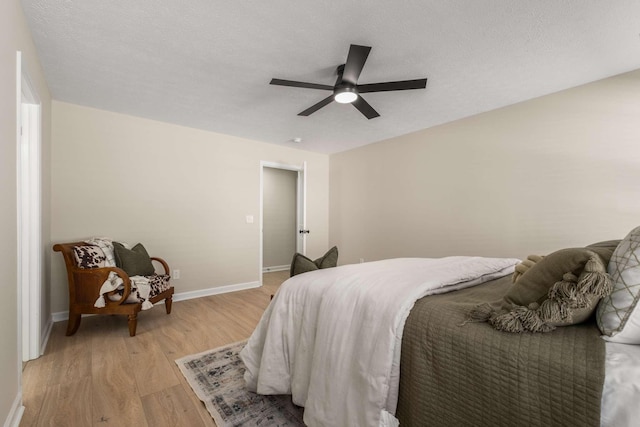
[347,90]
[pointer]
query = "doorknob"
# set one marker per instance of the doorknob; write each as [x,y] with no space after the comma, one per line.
[303,231]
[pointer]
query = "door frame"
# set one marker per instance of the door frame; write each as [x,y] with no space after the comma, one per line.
[29,196]
[301,207]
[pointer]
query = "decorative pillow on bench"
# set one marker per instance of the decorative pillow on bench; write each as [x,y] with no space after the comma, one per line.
[134,261]
[301,264]
[89,256]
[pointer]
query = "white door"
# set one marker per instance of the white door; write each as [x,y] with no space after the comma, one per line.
[29,214]
[302,231]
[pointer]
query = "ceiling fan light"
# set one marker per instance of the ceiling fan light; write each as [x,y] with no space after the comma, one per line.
[345,96]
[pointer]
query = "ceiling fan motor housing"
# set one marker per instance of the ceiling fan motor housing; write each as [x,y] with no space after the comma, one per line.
[348,90]
[345,94]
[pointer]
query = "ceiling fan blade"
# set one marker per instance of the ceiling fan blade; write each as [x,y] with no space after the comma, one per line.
[355,62]
[317,106]
[305,85]
[365,108]
[388,86]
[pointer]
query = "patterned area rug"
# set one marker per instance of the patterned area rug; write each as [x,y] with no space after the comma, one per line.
[216,376]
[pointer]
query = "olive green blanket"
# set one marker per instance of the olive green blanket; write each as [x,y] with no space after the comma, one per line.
[474,375]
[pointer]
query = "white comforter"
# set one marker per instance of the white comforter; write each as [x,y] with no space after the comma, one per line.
[331,338]
[621,389]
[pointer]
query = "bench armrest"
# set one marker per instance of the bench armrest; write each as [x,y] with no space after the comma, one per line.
[164,264]
[92,280]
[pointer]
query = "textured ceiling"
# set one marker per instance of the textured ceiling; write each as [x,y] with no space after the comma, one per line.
[207,63]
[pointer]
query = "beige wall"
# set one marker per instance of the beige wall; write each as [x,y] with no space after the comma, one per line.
[183,193]
[556,171]
[279,216]
[14,36]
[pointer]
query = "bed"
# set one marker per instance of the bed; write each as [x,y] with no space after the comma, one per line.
[328,340]
[462,393]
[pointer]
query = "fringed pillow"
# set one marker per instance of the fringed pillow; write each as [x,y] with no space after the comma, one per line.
[524,266]
[560,289]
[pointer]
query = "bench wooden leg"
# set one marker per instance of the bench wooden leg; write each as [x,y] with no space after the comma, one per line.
[167,304]
[133,322]
[74,323]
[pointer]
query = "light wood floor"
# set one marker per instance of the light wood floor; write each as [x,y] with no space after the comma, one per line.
[102,377]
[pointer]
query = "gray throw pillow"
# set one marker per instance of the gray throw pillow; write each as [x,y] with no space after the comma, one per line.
[134,261]
[301,264]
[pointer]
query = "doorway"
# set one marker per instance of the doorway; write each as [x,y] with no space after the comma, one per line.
[29,128]
[282,215]
[279,222]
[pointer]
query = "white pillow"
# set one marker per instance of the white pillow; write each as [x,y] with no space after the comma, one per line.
[619,313]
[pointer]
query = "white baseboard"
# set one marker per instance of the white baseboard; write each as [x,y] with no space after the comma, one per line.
[46,335]
[60,316]
[15,414]
[182,296]
[276,268]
